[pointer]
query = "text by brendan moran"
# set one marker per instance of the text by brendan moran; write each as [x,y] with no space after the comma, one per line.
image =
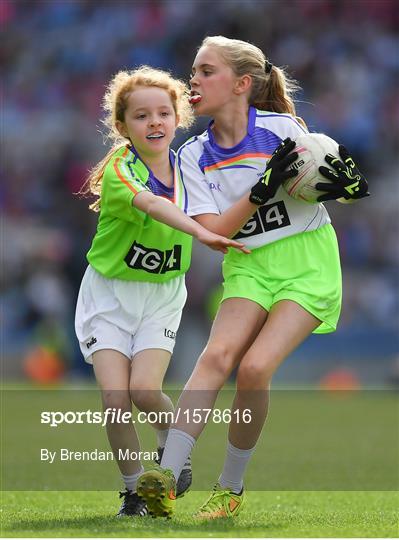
[64,454]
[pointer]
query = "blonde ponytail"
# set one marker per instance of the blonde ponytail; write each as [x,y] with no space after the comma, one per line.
[275,92]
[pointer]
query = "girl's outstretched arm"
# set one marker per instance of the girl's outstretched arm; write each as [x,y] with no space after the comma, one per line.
[166,212]
[232,220]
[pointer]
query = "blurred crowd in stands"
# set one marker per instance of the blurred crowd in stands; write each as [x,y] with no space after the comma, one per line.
[57,56]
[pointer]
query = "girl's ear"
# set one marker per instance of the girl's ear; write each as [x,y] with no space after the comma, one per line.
[121,127]
[177,120]
[243,84]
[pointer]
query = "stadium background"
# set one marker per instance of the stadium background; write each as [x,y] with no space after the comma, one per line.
[58,55]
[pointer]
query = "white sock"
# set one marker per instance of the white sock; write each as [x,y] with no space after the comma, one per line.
[177,450]
[234,467]
[162,435]
[131,480]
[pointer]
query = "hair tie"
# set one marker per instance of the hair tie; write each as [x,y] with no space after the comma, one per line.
[268,66]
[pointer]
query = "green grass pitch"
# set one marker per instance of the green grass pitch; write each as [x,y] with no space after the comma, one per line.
[329,462]
[267,514]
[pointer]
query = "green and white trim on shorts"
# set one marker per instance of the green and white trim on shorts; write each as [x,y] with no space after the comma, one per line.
[304,268]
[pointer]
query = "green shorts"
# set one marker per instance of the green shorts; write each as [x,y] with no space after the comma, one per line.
[304,268]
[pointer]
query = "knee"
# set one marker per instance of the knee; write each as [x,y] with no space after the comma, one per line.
[116,399]
[254,374]
[143,398]
[217,360]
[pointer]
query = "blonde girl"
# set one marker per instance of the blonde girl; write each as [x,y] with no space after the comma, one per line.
[133,292]
[290,284]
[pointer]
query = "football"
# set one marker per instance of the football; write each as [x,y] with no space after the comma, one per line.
[311,148]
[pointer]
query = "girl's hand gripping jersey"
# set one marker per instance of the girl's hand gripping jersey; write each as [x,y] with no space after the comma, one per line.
[215,178]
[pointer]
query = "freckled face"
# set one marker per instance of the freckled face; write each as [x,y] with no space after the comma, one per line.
[150,120]
[211,79]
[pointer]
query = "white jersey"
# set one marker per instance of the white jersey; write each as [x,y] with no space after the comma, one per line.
[215,178]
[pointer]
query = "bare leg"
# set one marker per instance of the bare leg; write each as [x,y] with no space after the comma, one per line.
[287,325]
[112,371]
[236,326]
[146,378]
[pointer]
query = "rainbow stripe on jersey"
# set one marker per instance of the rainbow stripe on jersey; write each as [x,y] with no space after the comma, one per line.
[243,161]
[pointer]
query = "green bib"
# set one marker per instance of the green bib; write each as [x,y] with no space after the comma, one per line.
[129,244]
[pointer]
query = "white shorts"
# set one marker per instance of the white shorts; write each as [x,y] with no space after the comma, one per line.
[127,316]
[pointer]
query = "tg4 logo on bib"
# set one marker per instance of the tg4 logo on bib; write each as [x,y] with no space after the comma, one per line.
[154,260]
